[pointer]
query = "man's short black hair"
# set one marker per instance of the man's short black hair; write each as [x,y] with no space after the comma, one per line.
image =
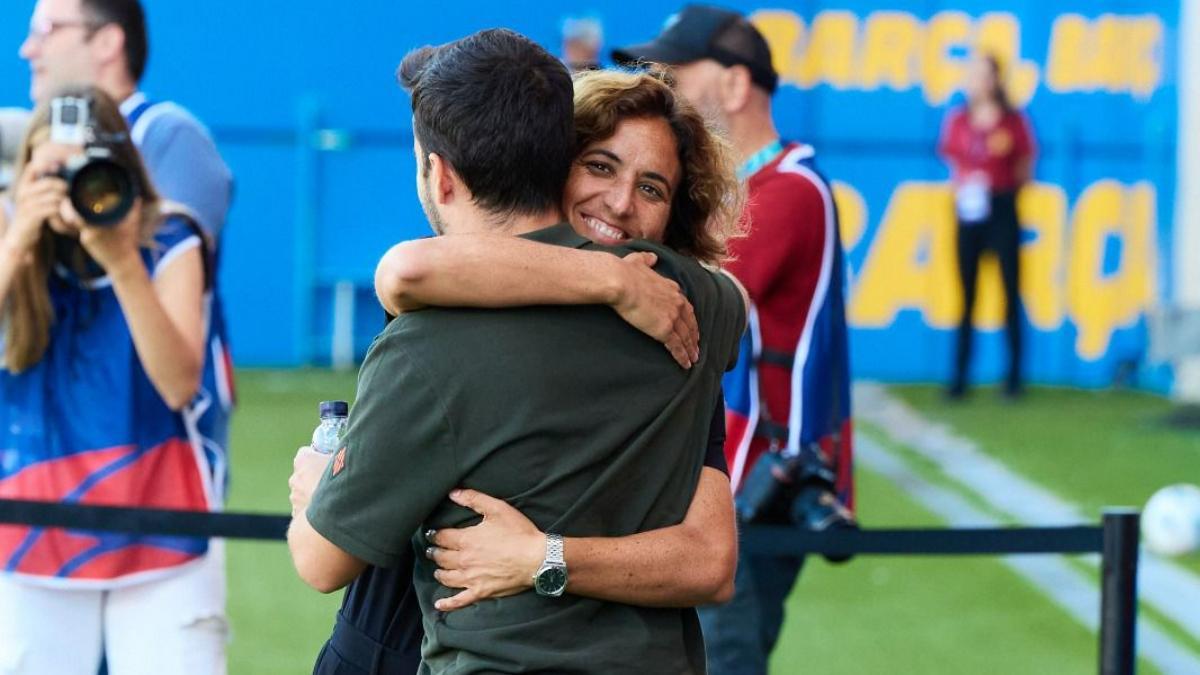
[129,16]
[498,108]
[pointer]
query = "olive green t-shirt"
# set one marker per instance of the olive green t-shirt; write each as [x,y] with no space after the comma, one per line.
[577,419]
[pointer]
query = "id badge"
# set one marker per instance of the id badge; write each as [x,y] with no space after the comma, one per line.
[973,201]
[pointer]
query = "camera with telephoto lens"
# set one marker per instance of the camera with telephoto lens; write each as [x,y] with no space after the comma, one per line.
[794,488]
[100,187]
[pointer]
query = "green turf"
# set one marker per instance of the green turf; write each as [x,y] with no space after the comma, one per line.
[1095,449]
[880,614]
[884,614]
[278,623]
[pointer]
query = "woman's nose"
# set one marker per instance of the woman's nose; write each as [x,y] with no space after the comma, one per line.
[619,200]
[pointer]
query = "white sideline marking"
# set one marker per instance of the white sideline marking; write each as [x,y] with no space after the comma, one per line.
[1066,586]
[1169,588]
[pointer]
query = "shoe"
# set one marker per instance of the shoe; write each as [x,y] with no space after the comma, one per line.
[956,392]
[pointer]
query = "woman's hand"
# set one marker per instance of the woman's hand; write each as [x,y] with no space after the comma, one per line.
[38,198]
[496,558]
[657,306]
[114,247]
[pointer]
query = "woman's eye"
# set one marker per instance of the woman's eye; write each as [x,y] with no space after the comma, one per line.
[652,191]
[599,167]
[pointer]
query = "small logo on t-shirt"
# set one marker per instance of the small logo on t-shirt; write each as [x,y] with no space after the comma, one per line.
[339,461]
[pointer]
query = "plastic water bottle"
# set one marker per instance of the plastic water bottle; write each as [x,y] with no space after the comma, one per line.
[327,438]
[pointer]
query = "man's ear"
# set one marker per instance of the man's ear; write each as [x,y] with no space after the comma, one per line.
[444,183]
[108,43]
[735,88]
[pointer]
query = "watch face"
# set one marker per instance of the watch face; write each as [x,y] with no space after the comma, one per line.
[551,580]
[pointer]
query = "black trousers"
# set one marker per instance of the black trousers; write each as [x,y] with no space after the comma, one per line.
[349,651]
[1002,234]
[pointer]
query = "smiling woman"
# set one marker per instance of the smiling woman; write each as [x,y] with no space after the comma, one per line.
[665,150]
[621,188]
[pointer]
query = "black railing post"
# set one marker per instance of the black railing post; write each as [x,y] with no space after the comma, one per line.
[1118,594]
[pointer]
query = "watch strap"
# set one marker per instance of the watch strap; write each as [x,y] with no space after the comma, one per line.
[554,549]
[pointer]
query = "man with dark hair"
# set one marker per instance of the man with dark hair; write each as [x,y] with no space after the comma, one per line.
[583,424]
[794,397]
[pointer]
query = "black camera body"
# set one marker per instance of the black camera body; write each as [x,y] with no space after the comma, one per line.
[101,189]
[796,489]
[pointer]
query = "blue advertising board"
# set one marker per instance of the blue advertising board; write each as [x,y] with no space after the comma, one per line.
[302,100]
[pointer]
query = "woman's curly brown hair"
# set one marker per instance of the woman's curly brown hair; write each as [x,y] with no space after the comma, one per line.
[707,208]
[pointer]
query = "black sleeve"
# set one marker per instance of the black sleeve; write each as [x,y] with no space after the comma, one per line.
[714,457]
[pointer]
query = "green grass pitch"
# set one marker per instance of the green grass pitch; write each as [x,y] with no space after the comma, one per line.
[873,615]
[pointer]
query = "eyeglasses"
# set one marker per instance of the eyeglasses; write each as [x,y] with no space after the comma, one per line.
[40,29]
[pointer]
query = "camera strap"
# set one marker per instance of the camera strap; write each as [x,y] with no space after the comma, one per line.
[775,433]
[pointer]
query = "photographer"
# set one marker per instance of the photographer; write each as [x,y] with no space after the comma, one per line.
[105,297]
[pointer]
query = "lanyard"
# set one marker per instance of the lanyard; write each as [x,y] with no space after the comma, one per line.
[760,159]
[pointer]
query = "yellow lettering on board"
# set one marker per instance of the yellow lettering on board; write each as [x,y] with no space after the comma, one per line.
[1066,66]
[1107,52]
[889,51]
[1042,210]
[829,55]
[911,262]
[999,34]
[1114,53]
[1143,217]
[1099,303]
[783,31]
[852,213]
[1145,38]
[941,74]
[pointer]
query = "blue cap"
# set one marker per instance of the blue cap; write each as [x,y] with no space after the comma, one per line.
[334,409]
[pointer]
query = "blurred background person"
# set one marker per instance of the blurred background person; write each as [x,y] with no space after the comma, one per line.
[792,266]
[106,342]
[583,38]
[990,150]
[105,43]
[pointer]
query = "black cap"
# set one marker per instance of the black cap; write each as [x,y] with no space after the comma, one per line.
[706,32]
[333,409]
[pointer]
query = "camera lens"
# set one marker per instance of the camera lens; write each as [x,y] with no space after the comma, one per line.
[102,192]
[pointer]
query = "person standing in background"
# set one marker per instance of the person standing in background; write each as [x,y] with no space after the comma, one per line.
[105,43]
[990,150]
[791,264]
[104,345]
[582,39]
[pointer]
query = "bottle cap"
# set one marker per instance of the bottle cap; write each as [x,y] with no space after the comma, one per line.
[334,409]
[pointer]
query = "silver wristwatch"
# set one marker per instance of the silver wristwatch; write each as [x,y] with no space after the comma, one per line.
[551,577]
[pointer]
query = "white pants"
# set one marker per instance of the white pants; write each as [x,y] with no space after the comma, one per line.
[171,626]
